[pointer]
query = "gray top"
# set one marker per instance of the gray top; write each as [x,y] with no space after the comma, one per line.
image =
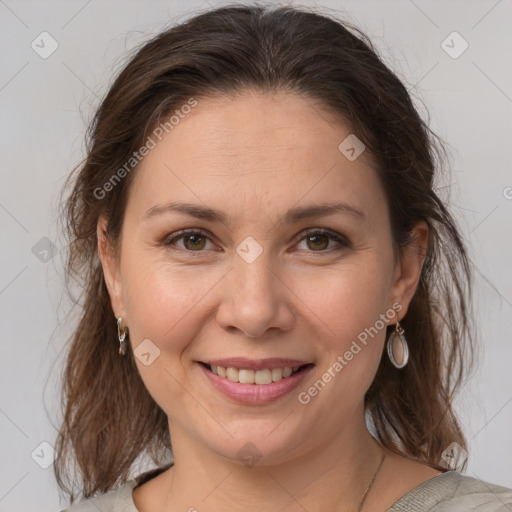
[447,492]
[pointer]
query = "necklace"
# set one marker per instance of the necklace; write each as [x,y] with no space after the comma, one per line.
[371,482]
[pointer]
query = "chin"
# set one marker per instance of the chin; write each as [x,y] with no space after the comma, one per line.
[265,447]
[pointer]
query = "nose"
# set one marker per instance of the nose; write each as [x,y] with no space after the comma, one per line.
[256,299]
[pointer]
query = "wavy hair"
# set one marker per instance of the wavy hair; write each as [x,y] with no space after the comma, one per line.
[109,417]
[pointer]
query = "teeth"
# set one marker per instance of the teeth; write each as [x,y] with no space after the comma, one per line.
[260,377]
[245,376]
[232,374]
[277,374]
[263,377]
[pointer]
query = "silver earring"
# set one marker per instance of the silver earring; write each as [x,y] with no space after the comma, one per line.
[121,334]
[397,345]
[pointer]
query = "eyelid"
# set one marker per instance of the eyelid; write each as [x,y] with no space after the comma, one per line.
[338,237]
[168,239]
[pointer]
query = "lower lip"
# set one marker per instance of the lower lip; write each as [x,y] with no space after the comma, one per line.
[255,394]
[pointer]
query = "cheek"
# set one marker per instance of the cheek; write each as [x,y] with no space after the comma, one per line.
[163,303]
[350,330]
[163,306]
[348,298]
[166,303]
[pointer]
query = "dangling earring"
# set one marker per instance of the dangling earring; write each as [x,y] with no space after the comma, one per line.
[398,344]
[121,334]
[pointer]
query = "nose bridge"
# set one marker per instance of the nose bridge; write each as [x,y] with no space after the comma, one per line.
[254,295]
[252,274]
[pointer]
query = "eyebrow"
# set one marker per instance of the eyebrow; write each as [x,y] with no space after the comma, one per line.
[292,216]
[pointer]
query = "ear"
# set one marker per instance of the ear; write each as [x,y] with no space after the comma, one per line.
[111,269]
[409,266]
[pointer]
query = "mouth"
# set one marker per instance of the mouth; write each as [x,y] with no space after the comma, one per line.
[260,376]
[255,383]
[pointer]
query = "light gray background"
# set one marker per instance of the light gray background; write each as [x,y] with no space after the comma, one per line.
[46,102]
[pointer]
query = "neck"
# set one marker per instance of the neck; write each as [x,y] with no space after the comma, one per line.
[333,476]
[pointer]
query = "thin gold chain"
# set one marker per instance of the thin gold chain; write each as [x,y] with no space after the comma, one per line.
[371,482]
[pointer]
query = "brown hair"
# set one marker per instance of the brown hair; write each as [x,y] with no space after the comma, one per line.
[109,418]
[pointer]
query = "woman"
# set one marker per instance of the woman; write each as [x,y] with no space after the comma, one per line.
[271,282]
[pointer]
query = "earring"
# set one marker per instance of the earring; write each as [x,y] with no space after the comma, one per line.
[121,334]
[397,345]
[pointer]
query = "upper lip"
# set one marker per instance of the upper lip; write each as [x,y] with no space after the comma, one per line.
[252,364]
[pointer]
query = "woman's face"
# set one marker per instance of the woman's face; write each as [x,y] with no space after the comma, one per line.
[266,281]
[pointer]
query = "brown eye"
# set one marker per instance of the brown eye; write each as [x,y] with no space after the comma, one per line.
[193,241]
[318,240]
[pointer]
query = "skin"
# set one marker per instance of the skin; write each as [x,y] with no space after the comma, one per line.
[254,157]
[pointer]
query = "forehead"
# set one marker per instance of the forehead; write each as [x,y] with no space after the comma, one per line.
[254,151]
[258,124]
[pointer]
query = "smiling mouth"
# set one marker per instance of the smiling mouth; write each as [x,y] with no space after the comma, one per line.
[259,377]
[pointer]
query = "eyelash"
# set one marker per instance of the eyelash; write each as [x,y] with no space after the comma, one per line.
[343,241]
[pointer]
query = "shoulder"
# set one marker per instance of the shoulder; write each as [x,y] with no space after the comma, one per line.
[120,499]
[116,500]
[453,492]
